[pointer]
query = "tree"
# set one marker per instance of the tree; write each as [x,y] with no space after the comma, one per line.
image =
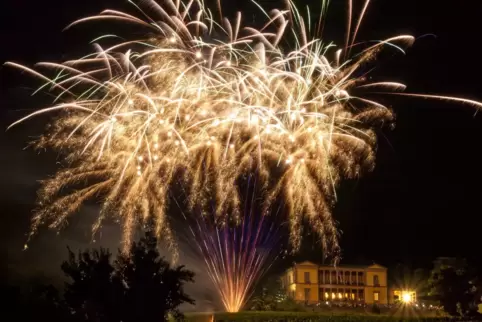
[36,303]
[154,288]
[270,296]
[95,291]
[139,286]
[267,295]
[456,286]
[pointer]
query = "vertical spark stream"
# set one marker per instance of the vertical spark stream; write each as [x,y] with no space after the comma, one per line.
[236,256]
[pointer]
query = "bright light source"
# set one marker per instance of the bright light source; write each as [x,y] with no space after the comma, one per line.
[406,297]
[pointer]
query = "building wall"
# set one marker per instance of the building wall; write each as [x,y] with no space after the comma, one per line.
[305,269]
[312,295]
[371,287]
[311,284]
[291,277]
[370,275]
[301,289]
[370,295]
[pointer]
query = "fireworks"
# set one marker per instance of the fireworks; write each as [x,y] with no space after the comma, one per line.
[209,102]
[236,256]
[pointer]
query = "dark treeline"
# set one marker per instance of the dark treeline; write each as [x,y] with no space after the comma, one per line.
[137,286]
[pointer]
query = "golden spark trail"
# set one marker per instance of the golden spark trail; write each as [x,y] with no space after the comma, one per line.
[209,102]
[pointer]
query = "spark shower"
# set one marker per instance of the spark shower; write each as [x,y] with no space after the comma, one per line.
[203,100]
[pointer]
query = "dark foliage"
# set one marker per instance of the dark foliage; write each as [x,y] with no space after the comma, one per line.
[95,292]
[375,309]
[152,287]
[138,286]
[33,304]
[457,287]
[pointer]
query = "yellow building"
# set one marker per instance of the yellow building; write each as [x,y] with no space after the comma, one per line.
[313,283]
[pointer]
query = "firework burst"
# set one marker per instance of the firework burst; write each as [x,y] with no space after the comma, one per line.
[134,116]
[237,256]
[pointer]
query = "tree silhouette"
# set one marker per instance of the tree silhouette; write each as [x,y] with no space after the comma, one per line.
[154,288]
[268,295]
[36,303]
[138,286]
[95,292]
[456,286]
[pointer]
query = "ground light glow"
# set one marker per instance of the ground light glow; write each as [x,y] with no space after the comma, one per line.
[210,100]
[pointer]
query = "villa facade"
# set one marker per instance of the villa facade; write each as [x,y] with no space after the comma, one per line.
[313,283]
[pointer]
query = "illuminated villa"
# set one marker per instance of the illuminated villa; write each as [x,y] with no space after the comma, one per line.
[311,283]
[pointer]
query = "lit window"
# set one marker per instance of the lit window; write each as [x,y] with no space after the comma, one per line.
[376,296]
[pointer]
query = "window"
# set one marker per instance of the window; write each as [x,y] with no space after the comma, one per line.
[360,278]
[376,281]
[307,277]
[291,279]
[361,295]
[307,294]
[376,296]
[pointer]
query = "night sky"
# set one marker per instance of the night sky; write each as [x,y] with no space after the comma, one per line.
[423,199]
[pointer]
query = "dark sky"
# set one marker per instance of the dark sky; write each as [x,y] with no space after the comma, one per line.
[421,201]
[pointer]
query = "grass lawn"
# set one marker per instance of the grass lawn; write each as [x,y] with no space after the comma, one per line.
[334,316]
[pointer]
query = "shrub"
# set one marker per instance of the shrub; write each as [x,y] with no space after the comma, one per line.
[376,309]
[289,305]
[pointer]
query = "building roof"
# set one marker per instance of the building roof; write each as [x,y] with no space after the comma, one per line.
[373,265]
